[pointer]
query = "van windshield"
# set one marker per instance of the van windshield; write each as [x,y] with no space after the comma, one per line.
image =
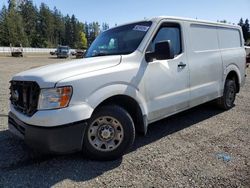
[120,40]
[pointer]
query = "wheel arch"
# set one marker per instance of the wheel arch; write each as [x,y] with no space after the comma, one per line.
[126,97]
[232,72]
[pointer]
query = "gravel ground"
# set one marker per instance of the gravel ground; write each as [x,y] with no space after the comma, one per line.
[201,147]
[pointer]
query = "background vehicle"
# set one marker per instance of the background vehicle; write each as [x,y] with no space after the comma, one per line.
[73,52]
[63,52]
[53,52]
[80,53]
[131,76]
[16,51]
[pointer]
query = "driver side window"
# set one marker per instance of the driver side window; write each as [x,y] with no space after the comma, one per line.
[171,33]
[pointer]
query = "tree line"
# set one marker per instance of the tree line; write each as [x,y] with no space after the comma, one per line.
[21,22]
[245,29]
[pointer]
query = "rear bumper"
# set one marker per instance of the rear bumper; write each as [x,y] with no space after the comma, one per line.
[61,139]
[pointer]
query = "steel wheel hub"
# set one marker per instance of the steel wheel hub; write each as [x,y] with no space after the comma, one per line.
[105,133]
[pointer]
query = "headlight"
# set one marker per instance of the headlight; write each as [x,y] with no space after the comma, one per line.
[54,98]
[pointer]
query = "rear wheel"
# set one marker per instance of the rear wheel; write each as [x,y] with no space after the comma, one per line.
[110,132]
[227,100]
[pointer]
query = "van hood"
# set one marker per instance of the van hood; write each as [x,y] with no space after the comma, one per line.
[47,76]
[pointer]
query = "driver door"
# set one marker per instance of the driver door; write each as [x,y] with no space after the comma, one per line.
[167,81]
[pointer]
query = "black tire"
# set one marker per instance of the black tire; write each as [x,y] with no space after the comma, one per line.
[125,124]
[227,100]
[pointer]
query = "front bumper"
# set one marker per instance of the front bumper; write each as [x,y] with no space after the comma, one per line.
[62,55]
[53,118]
[60,139]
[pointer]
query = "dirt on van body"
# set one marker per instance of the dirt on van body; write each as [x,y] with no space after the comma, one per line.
[201,147]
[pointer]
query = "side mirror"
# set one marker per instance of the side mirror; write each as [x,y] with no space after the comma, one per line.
[163,50]
[149,56]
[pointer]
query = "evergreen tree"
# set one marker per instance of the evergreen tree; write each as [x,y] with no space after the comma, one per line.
[30,18]
[23,23]
[46,26]
[68,31]
[4,27]
[241,23]
[87,33]
[74,31]
[12,4]
[16,33]
[59,27]
[94,30]
[245,28]
[105,26]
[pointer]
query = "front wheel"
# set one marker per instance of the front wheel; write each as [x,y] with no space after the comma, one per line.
[227,100]
[110,132]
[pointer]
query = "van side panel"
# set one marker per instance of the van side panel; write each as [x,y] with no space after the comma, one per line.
[205,64]
[233,52]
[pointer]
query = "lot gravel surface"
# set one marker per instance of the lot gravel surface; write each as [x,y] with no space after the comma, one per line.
[201,147]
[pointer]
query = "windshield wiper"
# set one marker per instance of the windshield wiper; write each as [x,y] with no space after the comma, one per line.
[107,54]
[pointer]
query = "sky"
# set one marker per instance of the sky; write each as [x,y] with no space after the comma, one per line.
[123,11]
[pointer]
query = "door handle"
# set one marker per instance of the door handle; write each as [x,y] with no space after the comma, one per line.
[182,65]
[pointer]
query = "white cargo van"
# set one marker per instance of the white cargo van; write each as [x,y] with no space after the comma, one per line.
[132,75]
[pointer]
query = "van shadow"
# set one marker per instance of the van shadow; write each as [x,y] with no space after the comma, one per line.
[18,162]
[177,123]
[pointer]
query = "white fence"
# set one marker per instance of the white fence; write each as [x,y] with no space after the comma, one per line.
[6,50]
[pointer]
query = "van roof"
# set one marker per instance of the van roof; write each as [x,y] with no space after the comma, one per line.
[159,18]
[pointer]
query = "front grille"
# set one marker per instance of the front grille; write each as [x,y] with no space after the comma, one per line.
[24,96]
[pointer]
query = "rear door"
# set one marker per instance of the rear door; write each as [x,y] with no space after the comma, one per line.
[167,81]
